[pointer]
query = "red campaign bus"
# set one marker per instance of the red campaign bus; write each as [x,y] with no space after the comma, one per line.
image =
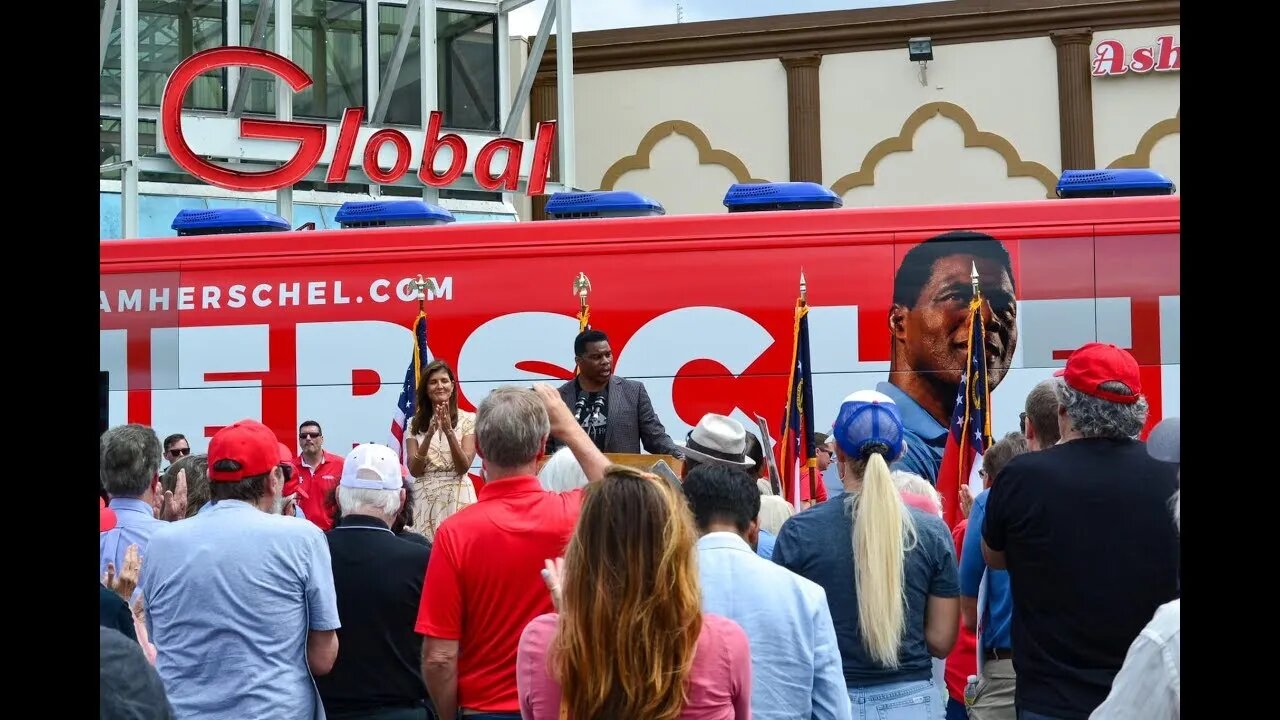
[197,332]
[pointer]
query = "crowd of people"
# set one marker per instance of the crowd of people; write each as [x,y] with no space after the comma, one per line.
[255,582]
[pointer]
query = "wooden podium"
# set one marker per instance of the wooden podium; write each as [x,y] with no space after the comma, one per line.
[648,463]
[640,461]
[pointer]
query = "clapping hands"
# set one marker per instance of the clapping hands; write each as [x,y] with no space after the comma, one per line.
[172,505]
[127,581]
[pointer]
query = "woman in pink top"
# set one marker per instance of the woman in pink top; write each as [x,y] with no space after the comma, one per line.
[630,640]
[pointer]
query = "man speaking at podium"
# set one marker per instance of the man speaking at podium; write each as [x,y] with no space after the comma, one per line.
[615,412]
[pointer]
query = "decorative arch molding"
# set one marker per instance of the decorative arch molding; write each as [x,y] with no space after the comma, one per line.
[1141,156]
[973,137]
[707,155]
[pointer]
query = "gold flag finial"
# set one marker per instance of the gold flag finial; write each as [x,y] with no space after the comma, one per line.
[581,287]
[421,286]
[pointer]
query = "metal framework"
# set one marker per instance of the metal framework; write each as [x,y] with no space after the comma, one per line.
[380,80]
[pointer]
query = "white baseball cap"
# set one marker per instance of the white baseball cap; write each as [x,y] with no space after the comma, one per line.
[373,467]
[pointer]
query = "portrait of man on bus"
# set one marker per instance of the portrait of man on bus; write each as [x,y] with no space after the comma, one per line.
[928,328]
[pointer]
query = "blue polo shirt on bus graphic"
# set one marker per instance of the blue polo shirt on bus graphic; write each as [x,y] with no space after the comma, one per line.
[926,437]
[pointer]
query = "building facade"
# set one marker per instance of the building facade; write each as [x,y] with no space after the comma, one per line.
[1009,99]
[348,49]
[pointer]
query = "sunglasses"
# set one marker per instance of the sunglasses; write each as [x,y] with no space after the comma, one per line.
[287,470]
[180,451]
[308,435]
[1022,423]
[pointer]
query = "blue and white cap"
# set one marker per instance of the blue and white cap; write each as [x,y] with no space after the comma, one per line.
[869,422]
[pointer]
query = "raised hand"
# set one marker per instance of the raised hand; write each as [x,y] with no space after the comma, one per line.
[127,581]
[553,576]
[561,417]
[172,505]
[288,505]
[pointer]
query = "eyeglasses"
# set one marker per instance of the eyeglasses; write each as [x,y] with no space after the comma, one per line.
[308,435]
[1022,423]
[180,451]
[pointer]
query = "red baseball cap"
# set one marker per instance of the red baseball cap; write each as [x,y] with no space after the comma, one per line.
[106,516]
[1095,364]
[294,483]
[250,444]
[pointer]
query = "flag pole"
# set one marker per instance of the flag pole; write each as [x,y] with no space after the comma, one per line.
[975,316]
[808,431]
[421,286]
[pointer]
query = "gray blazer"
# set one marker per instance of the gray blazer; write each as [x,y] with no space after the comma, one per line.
[632,421]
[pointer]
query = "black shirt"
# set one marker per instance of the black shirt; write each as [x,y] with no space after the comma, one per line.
[591,411]
[413,537]
[378,578]
[128,687]
[113,612]
[1092,552]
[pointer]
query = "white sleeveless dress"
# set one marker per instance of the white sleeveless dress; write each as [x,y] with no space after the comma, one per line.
[441,491]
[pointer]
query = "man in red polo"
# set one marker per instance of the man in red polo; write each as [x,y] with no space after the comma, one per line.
[316,473]
[487,559]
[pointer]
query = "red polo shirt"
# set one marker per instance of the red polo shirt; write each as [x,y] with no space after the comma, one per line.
[320,503]
[805,495]
[963,660]
[486,567]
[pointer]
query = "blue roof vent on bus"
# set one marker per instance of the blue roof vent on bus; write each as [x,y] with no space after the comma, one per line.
[601,204]
[1126,182]
[391,213]
[758,197]
[224,221]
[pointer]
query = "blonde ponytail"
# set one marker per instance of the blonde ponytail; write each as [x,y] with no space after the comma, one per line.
[882,533]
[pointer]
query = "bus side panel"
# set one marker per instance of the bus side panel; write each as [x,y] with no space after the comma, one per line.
[706,327]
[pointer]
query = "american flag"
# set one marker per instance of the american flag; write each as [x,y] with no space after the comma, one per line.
[409,391]
[970,434]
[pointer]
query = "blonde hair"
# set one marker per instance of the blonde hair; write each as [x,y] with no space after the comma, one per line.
[774,511]
[632,608]
[883,532]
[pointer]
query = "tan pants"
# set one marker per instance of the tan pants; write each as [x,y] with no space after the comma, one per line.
[995,692]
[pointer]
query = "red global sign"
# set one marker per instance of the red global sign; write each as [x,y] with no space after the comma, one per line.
[1110,57]
[311,138]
